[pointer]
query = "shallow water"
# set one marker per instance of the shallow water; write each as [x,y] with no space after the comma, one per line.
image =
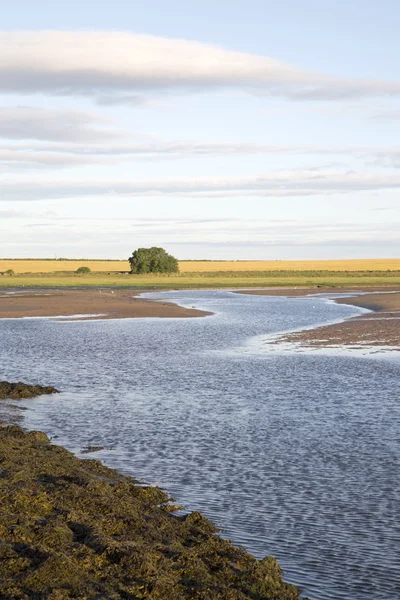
[293,454]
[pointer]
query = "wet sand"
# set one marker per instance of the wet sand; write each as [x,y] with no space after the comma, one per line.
[105,303]
[378,328]
[292,292]
[381,327]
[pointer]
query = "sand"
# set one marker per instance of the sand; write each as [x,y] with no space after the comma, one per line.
[378,328]
[105,303]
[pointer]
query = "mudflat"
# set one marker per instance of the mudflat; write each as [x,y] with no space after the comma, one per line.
[299,291]
[381,327]
[94,303]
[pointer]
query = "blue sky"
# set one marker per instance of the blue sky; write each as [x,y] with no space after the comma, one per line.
[230,130]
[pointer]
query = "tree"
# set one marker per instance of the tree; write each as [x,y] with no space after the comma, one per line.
[153,260]
[83,270]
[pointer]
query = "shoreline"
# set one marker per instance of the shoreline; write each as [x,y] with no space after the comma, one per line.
[378,328]
[89,304]
[72,527]
[52,510]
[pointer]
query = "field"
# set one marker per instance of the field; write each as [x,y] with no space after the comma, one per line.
[34,265]
[203,266]
[203,274]
[290,265]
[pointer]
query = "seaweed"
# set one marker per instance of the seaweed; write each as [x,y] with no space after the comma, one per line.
[72,528]
[20,390]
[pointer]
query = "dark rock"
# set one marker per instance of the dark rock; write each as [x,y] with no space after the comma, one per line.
[20,390]
[90,449]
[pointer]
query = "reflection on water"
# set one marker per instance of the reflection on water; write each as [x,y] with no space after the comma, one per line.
[294,455]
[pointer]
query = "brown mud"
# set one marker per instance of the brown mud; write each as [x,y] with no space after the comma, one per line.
[318,289]
[379,328]
[110,304]
[74,529]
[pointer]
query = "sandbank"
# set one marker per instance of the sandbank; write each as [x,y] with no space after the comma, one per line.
[381,327]
[95,303]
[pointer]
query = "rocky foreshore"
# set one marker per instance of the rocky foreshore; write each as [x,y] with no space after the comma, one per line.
[72,528]
[20,390]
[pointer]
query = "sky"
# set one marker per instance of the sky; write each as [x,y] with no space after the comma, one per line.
[216,130]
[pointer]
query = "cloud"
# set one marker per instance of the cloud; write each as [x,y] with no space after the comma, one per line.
[195,237]
[387,158]
[131,100]
[11,214]
[274,184]
[30,123]
[386,115]
[20,158]
[235,229]
[57,154]
[120,64]
[244,238]
[380,208]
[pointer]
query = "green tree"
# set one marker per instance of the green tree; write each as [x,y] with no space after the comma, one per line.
[83,270]
[153,260]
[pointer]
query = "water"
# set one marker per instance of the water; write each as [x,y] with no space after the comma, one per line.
[293,454]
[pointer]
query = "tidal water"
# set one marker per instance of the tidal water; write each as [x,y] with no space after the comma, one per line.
[293,454]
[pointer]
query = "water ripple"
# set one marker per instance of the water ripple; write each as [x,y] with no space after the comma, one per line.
[293,455]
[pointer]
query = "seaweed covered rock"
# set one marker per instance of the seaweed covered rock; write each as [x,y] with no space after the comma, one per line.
[72,528]
[20,390]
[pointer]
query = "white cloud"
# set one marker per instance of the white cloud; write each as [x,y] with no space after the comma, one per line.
[274,184]
[216,238]
[57,154]
[44,124]
[11,214]
[16,159]
[100,63]
[386,115]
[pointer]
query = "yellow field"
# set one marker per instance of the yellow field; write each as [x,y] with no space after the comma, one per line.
[52,266]
[381,264]
[187,266]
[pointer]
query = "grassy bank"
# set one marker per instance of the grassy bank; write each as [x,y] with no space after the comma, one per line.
[211,279]
[72,528]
